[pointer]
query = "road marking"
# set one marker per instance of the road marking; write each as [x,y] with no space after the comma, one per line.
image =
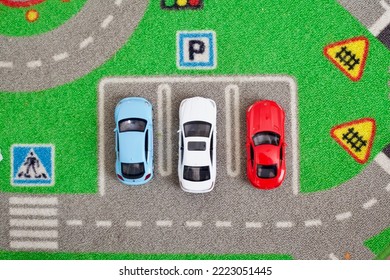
[205,79]
[6,64]
[107,21]
[343,216]
[284,224]
[253,225]
[193,223]
[34,245]
[370,203]
[164,90]
[313,223]
[34,64]
[103,223]
[333,257]
[229,91]
[388,188]
[382,22]
[133,223]
[383,161]
[164,223]
[33,223]
[118,2]
[34,233]
[33,211]
[60,56]
[34,200]
[74,223]
[223,224]
[86,42]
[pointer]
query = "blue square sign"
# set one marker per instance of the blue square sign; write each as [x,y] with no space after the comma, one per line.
[32,165]
[196,50]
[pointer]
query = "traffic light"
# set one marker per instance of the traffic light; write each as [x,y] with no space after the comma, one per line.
[181,4]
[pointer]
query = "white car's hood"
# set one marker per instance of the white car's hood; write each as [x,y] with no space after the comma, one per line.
[198,109]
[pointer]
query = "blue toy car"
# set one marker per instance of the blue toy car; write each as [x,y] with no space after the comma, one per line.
[134,141]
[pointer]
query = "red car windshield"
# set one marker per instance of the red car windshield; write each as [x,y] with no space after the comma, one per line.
[266,137]
[266,171]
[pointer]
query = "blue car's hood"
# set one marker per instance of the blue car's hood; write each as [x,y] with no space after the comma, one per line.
[133,108]
[131,144]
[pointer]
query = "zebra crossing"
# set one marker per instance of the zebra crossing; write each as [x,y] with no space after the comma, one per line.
[33,223]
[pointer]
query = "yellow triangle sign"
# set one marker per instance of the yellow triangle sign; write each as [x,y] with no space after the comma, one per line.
[356,137]
[349,56]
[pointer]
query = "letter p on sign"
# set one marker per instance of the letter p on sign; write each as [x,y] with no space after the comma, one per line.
[196,50]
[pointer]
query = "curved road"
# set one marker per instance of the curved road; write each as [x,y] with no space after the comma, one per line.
[70,51]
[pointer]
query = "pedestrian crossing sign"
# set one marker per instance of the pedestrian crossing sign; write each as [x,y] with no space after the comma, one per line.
[356,137]
[349,56]
[32,165]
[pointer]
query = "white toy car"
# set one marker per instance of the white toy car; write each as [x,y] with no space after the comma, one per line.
[197,144]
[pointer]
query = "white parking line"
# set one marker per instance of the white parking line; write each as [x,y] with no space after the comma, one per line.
[60,56]
[313,223]
[230,139]
[223,224]
[33,211]
[133,223]
[103,223]
[343,216]
[33,223]
[193,223]
[34,233]
[6,64]
[34,245]
[107,21]
[118,2]
[388,188]
[285,224]
[34,200]
[253,225]
[86,42]
[383,161]
[164,223]
[383,21]
[74,223]
[164,141]
[370,203]
[34,64]
[333,257]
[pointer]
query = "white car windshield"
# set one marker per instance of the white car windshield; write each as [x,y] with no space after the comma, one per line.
[196,173]
[197,129]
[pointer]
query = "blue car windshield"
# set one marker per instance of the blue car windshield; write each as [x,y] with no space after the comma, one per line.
[266,137]
[133,170]
[132,124]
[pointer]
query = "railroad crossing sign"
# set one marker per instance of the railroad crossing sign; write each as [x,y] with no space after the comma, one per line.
[356,137]
[349,56]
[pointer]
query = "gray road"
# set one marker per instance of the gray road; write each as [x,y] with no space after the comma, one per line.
[233,218]
[70,51]
[374,14]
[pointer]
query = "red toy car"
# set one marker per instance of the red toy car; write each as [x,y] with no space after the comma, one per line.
[265,146]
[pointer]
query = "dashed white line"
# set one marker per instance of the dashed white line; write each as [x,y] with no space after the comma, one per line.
[284,224]
[103,223]
[223,224]
[164,223]
[34,245]
[74,223]
[193,223]
[230,139]
[388,188]
[34,64]
[34,200]
[118,2]
[133,223]
[313,223]
[370,203]
[253,225]
[343,216]
[107,21]
[61,56]
[33,223]
[6,64]
[86,42]
[383,161]
[333,257]
[34,233]
[33,211]
[383,21]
